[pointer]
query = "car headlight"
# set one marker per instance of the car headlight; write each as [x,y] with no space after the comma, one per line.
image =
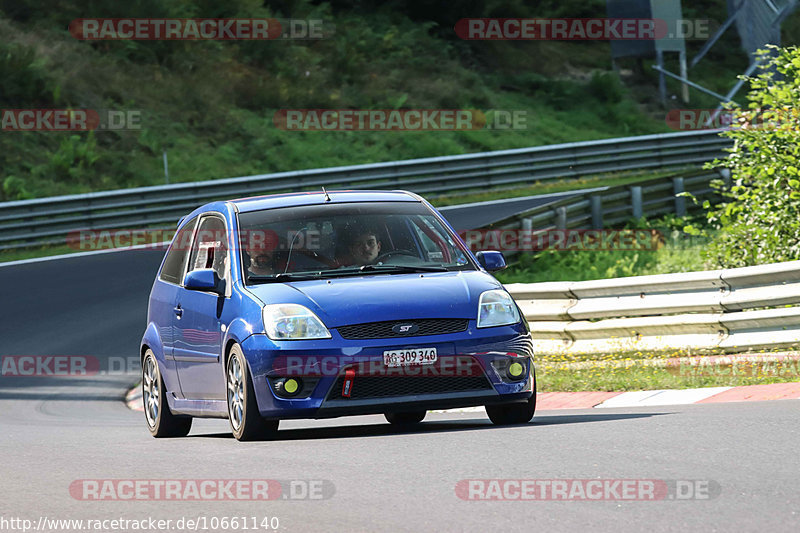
[497,308]
[293,322]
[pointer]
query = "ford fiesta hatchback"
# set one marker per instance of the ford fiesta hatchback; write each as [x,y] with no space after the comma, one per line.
[317,305]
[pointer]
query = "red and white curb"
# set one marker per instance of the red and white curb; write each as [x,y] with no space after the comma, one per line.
[134,399]
[549,401]
[773,391]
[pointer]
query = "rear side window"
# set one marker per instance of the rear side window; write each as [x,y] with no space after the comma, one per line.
[210,249]
[175,263]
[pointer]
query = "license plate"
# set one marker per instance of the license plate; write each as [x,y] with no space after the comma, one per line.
[415,356]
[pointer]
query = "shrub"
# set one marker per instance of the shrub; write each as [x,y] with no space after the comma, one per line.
[23,78]
[758,220]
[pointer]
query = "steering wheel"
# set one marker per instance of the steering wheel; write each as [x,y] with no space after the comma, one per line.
[327,261]
[393,253]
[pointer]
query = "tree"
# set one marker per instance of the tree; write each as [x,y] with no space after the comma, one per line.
[758,220]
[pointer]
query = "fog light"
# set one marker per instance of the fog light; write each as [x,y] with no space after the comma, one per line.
[291,386]
[515,370]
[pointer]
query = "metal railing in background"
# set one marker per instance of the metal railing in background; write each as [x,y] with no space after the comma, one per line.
[734,310]
[49,220]
[616,205]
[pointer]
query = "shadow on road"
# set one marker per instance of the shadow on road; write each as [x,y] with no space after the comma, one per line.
[545,420]
[434,426]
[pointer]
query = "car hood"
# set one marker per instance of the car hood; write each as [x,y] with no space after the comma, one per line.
[378,297]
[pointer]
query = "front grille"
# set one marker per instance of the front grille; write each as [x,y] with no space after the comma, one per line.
[365,387]
[383,330]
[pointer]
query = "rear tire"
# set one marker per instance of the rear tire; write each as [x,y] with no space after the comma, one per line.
[405,419]
[246,422]
[160,420]
[512,413]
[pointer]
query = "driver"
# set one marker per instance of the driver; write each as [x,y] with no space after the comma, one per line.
[262,261]
[363,246]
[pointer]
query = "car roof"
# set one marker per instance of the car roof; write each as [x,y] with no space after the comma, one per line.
[257,203]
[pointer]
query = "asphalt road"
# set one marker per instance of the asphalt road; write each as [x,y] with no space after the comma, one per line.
[482,214]
[405,481]
[56,431]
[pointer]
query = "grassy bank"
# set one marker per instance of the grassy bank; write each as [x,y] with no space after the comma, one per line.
[210,104]
[620,373]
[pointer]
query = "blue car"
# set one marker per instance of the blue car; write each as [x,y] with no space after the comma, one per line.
[318,305]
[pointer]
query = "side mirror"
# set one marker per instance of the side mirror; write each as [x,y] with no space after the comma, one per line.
[491,260]
[204,279]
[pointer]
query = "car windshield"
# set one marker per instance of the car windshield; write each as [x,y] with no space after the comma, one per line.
[343,239]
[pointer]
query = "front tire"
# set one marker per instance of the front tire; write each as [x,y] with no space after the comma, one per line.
[160,420]
[512,413]
[405,419]
[246,422]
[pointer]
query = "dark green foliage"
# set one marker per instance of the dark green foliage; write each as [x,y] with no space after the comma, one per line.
[210,104]
[759,220]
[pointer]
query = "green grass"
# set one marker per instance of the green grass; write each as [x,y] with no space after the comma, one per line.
[159,234]
[580,265]
[625,372]
[41,251]
[36,252]
[641,378]
[549,187]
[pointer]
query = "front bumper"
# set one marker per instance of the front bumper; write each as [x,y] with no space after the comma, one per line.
[470,363]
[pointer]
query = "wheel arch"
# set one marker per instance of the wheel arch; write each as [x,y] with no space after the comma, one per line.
[152,341]
[237,332]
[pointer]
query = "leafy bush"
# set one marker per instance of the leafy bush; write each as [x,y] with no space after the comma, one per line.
[678,252]
[759,220]
[74,158]
[23,78]
[13,189]
[607,87]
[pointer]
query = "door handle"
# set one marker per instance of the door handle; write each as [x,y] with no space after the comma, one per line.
[178,311]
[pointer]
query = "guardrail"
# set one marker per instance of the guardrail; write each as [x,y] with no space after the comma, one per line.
[732,310]
[49,220]
[615,205]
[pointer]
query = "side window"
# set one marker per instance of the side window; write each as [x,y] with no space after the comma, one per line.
[175,263]
[210,249]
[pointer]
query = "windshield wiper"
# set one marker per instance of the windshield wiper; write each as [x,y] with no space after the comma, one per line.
[402,268]
[284,277]
[344,272]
